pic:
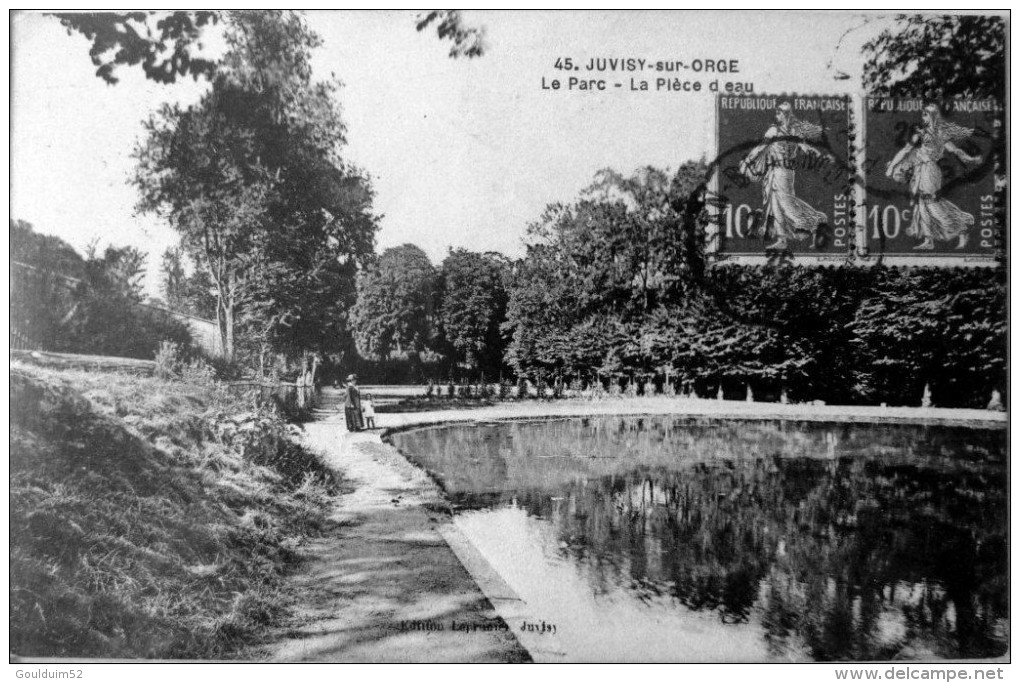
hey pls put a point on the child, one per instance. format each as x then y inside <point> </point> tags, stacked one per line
<point>368,411</point>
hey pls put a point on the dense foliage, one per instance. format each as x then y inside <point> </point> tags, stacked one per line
<point>615,289</point>
<point>272,220</point>
<point>43,251</point>
<point>938,57</point>
<point>468,41</point>
<point>110,317</point>
<point>394,310</point>
<point>126,38</point>
<point>607,293</point>
<point>473,298</point>
<point>61,301</point>
<point>169,45</point>
<point>252,180</point>
<point>190,293</point>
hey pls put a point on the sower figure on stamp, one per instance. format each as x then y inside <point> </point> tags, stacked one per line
<point>772,163</point>
<point>352,406</point>
<point>932,216</point>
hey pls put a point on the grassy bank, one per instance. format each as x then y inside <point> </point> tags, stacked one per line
<point>150,518</point>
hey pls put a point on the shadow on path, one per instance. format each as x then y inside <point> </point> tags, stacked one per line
<point>385,586</point>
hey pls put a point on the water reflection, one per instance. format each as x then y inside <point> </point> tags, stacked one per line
<point>833,541</point>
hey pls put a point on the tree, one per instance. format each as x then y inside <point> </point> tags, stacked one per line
<point>554,287</point>
<point>192,294</point>
<point>44,272</point>
<point>468,41</point>
<point>43,251</point>
<point>120,269</point>
<point>616,285</point>
<point>163,46</point>
<point>252,180</point>
<point>943,328</point>
<point>596,270</point>
<point>771,326</point>
<point>168,45</point>
<point>201,172</point>
<point>63,302</point>
<point>108,316</point>
<point>648,242</point>
<point>473,308</point>
<point>395,304</point>
<point>938,57</point>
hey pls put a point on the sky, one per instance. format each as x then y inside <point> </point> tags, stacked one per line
<point>461,152</point>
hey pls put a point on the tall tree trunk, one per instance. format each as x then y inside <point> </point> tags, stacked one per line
<point>221,322</point>
<point>225,311</point>
<point>229,347</point>
<point>225,317</point>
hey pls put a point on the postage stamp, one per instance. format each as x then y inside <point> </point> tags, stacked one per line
<point>929,176</point>
<point>784,164</point>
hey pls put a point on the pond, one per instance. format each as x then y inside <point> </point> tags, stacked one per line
<point>680,539</point>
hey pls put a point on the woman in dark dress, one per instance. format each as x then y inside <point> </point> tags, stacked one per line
<point>352,406</point>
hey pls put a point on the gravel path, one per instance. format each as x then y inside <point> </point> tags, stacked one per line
<point>385,586</point>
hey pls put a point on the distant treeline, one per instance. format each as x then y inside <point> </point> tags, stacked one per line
<point>617,289</point>
<point>61,301</point>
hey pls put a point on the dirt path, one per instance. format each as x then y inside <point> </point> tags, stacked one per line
<point>385,586</point>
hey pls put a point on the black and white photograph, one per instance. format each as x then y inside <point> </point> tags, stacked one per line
<point>557,337</point>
